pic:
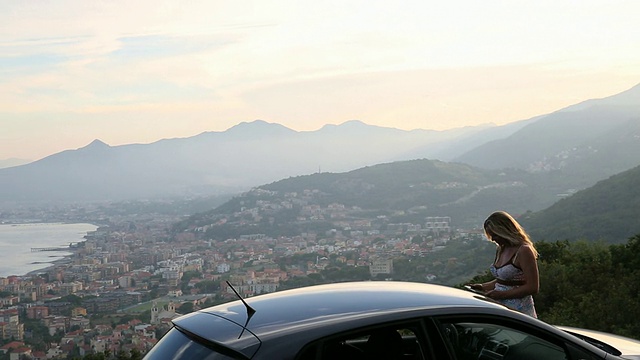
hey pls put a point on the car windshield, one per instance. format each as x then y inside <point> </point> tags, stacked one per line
<point>597,343</point>
<point>176,345</point>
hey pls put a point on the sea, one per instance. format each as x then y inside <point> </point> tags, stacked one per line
<point>16,241</point>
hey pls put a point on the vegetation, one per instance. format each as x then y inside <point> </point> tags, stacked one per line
<point>122,355</point>
<point>607,211</point>
<point>465,193</point>
<point>584,284</point>
<point>589,285</point>
<point>447,266</point>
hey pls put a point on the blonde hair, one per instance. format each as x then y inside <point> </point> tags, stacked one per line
<point>502,226</point>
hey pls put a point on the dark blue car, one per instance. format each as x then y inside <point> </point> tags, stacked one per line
<point>375,320</point>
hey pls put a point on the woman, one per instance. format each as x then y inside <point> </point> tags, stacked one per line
<point>515,268</point>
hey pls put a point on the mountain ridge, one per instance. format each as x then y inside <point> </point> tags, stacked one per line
<point>551,141</point>
<point>11,162</point>
<point>246,155</point>
<point>573,149</point>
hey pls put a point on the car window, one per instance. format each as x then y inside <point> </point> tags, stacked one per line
<point>486,341</point>
<point>177,346</point>
<point>388,343</point>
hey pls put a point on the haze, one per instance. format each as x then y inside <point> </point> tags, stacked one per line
<point>137,72</point>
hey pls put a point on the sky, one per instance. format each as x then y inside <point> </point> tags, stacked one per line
<point>139,71</point>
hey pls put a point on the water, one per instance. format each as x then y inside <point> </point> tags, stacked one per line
<point>16,242</point>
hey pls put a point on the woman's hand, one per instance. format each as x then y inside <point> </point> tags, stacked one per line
<point>484,287</point>
<point>478,287</point>
<point>496,295</point>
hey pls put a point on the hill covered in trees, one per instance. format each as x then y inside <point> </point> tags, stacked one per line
<point>608,211</point>
<point>407,190</point>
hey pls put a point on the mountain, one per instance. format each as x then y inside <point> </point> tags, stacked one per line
<point>608,211</point>
<point>95,172</point>
<point>588,141</point>
<point>452,150</point>
<point>13,162</point>
<point>570,149</point>
<point>246,155</point>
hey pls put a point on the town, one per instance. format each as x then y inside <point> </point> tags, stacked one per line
<point>119,291</point>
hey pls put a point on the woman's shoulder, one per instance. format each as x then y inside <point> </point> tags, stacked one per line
<point>526,250</point>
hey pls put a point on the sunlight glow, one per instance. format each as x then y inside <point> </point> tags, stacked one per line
<point>208,65</point>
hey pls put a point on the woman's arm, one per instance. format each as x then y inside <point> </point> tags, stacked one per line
<point>488,286</point>
<point>526,261</point>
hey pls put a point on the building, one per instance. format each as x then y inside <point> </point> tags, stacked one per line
<point>381,267</point>
<point>161,315</point>
<point>9,315</point>
<point>125,281</point>
<point>9,301</point>
<point>56,324</point>
<point>58,307</point>
<point>101,305</point>
<point>438,224</point>
<point>80,321</point>
<point>37,312</point>
<point>23,352</point>
<point>10,346</point>
<point>11,330</point>
<point>78,311</point>
<point>70,288</point>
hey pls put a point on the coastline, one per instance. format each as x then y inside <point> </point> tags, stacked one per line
<point>65,260</point>
<point>17,240</point>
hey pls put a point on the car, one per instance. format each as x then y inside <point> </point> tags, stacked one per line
<point>374,320</point>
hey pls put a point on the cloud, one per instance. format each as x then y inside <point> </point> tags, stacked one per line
<point>307,63</point>
<point>153,47</point>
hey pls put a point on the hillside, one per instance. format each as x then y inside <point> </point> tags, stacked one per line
<point>405,191</point>
<point>588,142</point>
<point>13,162</point>
<point>608,211</point>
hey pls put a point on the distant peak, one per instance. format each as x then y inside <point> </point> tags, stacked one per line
<point>346,124</point>
<point>353,123</point>
<point>250,123</point>
<point>635,90</point>
<point>97,144</point>
<point>259,127</point>
<point>356,126</point>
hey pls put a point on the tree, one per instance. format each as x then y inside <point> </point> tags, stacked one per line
<point>207,286</point>
<point>589,285</point>
<point>186,308</point>
<point>135,354</point>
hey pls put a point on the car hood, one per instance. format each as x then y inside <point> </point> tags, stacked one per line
<point>630,348</point>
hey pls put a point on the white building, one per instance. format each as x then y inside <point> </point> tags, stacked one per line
<point>438,224</point>
<point>381,267</point>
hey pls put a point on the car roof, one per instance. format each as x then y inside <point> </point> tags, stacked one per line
<point>321,310</point>
<point>345,298</point>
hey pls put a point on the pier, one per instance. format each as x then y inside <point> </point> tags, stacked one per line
<point>55,248</point>
<point>38,249</point>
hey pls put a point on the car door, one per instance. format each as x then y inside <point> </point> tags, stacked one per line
<point>387,341</point>
<point>497,338</point>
